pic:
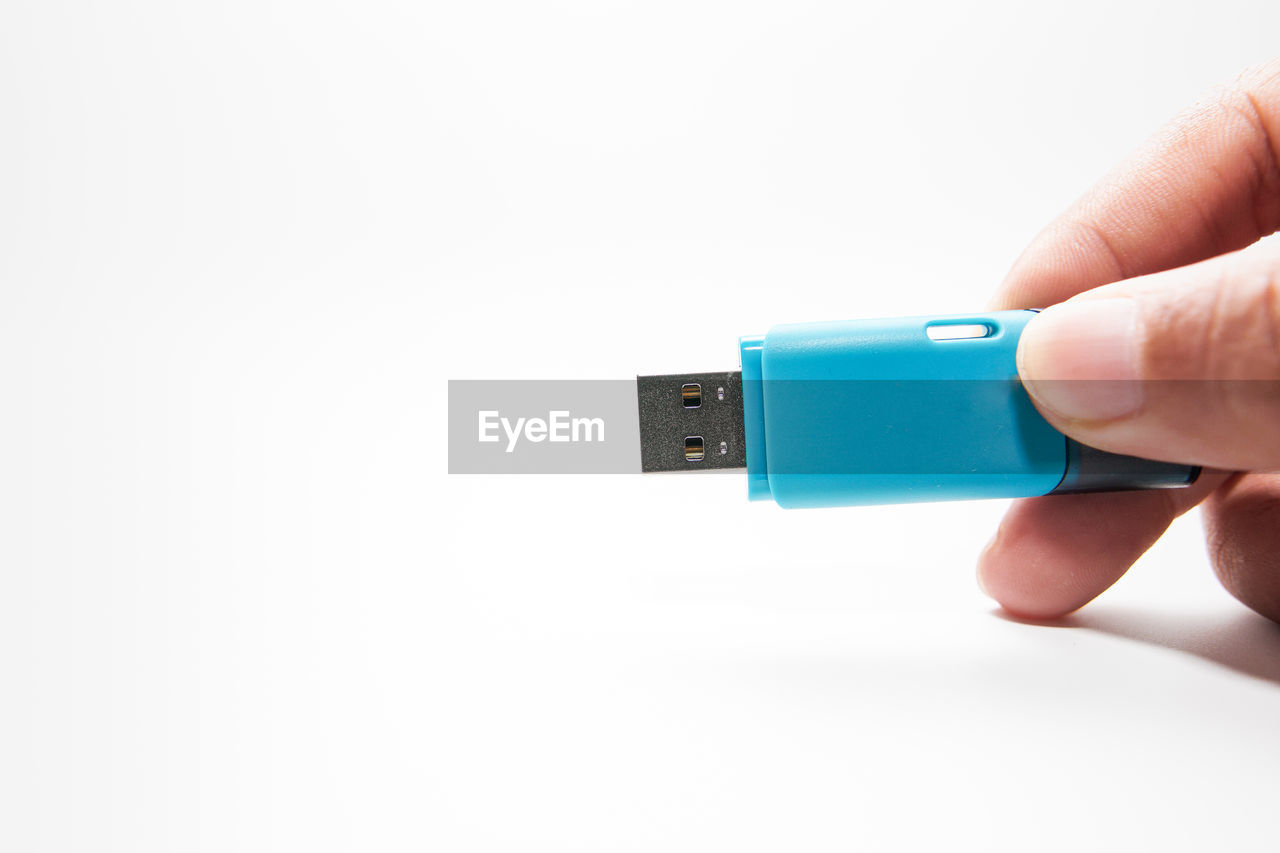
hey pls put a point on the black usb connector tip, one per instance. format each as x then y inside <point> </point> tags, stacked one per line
<point>691,421</point>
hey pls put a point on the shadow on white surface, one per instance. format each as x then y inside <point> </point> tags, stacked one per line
<point>1244,641</point>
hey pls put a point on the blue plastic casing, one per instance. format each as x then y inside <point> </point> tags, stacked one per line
<point>877,411</point>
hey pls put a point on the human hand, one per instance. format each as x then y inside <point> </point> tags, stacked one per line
<point>1158,290</point>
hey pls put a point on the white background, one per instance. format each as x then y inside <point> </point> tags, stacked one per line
<point>243,245</point>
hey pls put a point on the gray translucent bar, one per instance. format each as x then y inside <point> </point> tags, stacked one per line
<point>543,426</point>
<point>595,427</point>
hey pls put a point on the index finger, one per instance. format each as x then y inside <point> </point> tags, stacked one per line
<point>1207,184</point>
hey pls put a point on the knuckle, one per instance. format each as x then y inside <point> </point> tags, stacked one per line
<point>1254,101</point>
<point>1241,320</point>
<point>1267,310</point>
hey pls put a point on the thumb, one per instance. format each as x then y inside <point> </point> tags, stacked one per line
<point>1182,365</point>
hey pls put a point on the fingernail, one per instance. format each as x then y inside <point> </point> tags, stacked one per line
<point>982,584</point>
<point>982,560</point>
<point>1080,359</point>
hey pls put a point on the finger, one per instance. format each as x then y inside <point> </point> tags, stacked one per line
<point>1052,555</point>
<point>1181,365</point>
<point>1209,183</point>
<point>1242,526</point>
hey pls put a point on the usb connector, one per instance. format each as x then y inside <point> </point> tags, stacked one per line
<point>691,421</point>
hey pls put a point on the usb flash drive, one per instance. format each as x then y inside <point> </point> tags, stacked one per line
<point>879,411</point>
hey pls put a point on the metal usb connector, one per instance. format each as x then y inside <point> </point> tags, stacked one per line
<point>691,421</point>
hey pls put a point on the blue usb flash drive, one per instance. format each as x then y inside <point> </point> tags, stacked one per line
<point>879,411</point>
